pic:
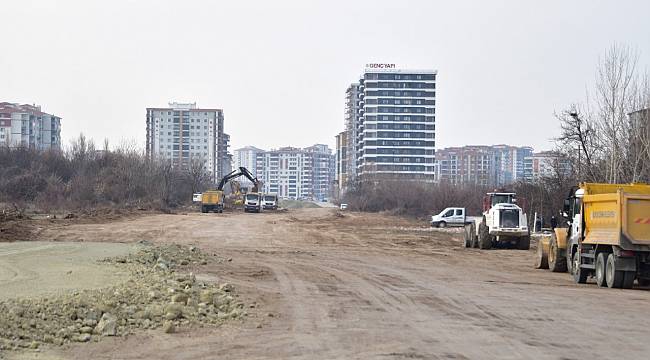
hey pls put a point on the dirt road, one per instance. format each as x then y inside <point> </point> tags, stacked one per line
<point>373,287</point>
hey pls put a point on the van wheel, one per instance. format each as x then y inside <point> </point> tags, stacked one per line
<point>442,224</point>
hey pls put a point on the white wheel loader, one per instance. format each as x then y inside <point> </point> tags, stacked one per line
<point>504,224</point>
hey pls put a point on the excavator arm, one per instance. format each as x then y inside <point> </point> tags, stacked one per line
<point>242,171</point>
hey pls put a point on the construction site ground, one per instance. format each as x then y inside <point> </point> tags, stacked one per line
<point>328,285</point>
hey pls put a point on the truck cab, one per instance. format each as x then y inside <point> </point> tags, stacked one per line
<point>253,202</point>
<point>451,216</point>
<point>270,202</point>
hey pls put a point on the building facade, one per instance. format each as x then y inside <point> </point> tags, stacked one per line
<point>296,173</point>
<point>342,161</point>
<point>546,164</point>
<point>184,133</point>
<point>465,165</point>
<point>247,157</point>
<point>495,165</point>
<point>390,124</point>
<point>28,126</point>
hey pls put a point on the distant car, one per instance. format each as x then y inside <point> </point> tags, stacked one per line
<point>343,206</point>
<point>324,200</point>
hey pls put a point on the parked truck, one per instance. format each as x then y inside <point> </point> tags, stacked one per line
<point>253,202</point>
<point>503,224</point>
<point>607,237</point>
<point>212,200</point>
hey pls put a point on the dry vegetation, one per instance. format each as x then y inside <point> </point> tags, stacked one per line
<point>83,177</point>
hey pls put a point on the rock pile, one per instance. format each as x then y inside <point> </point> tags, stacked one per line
<point>155,296</point>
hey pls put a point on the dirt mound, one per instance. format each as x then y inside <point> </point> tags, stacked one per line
<point>155,296</point>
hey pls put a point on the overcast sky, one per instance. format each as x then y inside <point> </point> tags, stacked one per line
<point>279,69</point>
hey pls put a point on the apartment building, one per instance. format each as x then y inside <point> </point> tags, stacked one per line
<point>28,126</point>
<point>494,165</point>
<point>342,160</point>
<point>465,165</point>
<point>390,124</point>
<point>297,173</point>
<point>183,133</point>
<point>509,162</point>
<point>247,157</point>
<point>546,164</point>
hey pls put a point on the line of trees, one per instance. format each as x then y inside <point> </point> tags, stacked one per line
<point>82,177</point>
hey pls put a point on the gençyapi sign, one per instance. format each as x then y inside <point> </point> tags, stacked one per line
<point>380,66</point>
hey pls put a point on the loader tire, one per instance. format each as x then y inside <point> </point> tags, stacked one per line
<point>580,275</point>
<point>524,243</point>
<point>204,209</point>
<point>468,236</point>
<point>484,238</point>
<point>556,260</point>
<point>541,258</point>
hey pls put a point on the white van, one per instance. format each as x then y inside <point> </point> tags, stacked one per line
<point>452,216</point>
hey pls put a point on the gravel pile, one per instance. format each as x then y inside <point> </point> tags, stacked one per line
<point>156,296</point>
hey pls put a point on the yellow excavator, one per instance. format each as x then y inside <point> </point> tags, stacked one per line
<point>212,200</point>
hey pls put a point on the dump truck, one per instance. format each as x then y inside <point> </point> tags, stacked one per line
<point>212,200</point>
<point>607,237</point>
<point>503,224</point>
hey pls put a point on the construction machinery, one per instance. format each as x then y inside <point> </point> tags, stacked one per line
<point>503,224</point>
<point>608,235</point>
<point>212,200</point>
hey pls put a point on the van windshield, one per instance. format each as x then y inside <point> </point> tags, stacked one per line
<point>269,198</point>
<point>251,197</point>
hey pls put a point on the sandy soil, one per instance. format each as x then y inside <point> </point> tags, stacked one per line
<point>372,287</point>
<point>40,268</point>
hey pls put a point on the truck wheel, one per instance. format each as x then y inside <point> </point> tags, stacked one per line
<point>541,257</point>
<point>579,274</point>
<point>204,209</point>
<point>484,239</point>
<point>442,224</point>
<point>601,269</point>
<point>613,277</point>
<point>524,243</point>
<point>556,261</point>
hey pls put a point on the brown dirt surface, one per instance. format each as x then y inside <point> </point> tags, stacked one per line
<point>328,285</point>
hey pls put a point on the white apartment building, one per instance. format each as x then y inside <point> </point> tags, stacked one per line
<point>297,173</point>
<point>28,126</point>
<point>247,157</point>
<point>394,124</point>
<point>183,133</point>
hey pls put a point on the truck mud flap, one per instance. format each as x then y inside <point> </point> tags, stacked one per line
<point>626,263</point>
